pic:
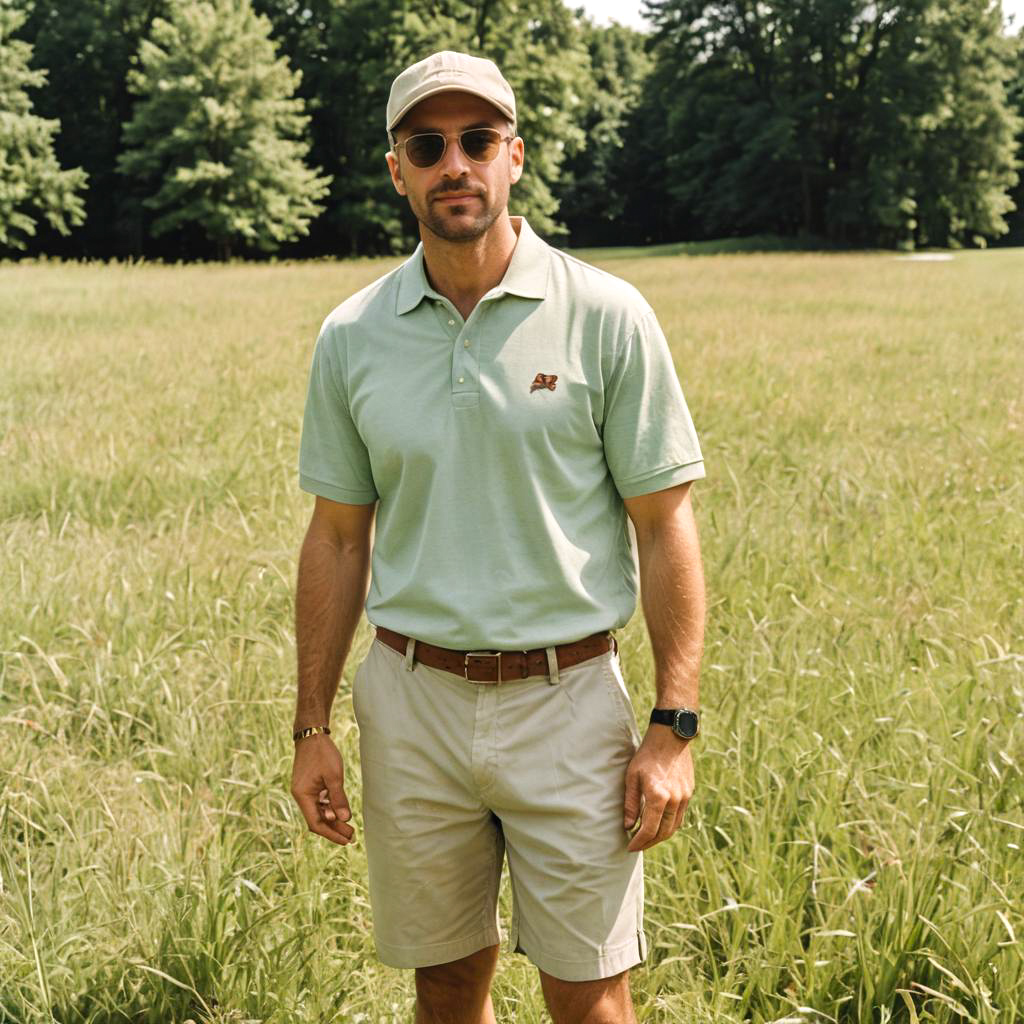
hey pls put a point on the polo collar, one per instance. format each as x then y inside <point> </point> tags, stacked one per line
<point>526,275</point>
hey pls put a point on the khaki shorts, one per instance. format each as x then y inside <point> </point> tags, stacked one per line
<point>456,775</point>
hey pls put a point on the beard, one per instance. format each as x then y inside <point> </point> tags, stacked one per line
<point>458,222</point>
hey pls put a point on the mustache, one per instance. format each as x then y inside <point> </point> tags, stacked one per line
<point>455,187</point>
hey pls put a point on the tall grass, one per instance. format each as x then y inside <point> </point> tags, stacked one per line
<point>853,850</point>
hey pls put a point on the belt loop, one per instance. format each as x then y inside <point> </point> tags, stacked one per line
<point>410,652</point>
<point>615,642</point>
<point>552,666</point>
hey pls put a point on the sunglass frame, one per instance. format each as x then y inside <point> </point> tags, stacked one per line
<point>444,147</point>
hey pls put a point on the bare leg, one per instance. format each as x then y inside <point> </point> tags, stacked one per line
<point>605,1001</point>
<point>458,992</point>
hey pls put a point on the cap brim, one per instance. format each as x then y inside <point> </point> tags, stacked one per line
<point>448,88</point>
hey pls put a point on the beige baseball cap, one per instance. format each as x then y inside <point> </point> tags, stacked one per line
<point>445,71</point>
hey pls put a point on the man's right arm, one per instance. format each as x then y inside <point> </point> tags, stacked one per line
<point>333,580</point>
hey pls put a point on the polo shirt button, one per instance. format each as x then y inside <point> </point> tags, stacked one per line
<point>451,323</point>
<point>461,379</point>
<point>466,343</point>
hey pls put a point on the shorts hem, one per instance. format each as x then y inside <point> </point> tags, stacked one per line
<point>437,952</point>
<point>613,961</point>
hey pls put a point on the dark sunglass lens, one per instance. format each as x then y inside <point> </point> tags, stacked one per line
<point>481,144</point>
<point>424,150</point>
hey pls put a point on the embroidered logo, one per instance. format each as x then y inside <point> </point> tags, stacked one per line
<point>544,380</point>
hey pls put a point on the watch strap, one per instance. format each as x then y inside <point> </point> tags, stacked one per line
<point>670,716</point>
<point>663,716</point>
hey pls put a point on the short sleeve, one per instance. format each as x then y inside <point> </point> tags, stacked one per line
<point>333,460</point>
<point>649,439</point>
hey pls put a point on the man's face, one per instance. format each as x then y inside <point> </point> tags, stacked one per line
<point>456,199</point>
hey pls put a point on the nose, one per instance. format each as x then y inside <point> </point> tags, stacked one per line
<point>454,163</point>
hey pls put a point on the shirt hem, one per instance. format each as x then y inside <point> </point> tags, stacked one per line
<point>335,493</point>
<point>662,478</point>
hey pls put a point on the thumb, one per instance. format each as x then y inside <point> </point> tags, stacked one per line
<point>338,800</point>
<point>634,795</point>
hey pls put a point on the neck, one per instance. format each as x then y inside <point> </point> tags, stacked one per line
<point>466,271</point>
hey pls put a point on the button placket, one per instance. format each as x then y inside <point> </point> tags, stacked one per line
<point>461,361</point>
<point>465,363</point>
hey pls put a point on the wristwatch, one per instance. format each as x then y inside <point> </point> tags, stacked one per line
<point>685,722</point>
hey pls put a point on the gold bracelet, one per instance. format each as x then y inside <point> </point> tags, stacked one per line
<point>311,730</point>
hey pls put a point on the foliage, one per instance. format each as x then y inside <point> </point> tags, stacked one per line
<point>91,45</point>
<point>838,122</point>
<point>32,183</point>
<point>591,195</point>
<point>869,123</point>
<point>1016,97</point>
<point>218,131</point>
<point>348,51</point>
<point>351,50</point>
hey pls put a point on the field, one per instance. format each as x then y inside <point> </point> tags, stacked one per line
<point>853,849</point>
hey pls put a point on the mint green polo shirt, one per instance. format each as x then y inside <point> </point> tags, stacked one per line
<point>499,447</point>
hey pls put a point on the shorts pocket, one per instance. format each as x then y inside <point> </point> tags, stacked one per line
<point>356,687</point>
<point>621,699</point>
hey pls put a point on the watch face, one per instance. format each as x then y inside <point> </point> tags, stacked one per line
<point>685,724</point>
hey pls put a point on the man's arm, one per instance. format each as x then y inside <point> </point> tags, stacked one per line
<point>660,776</point>
<point>671,590</point>
<point>333,579</point>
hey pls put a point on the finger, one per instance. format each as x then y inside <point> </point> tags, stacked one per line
<point>337,833</point>
<point>665,826</point>
<point>633,804</point>
<point>653,810</point>
<point>639,820</point>
<point>670,820</point>
<point>324,806</point>
<point>338,800</point>
<point>325,830</point>
<point>679,816</point>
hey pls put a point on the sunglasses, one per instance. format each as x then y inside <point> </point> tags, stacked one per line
<point>481,145</point>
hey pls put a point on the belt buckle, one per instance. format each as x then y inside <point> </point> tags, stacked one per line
<point>480,654</point>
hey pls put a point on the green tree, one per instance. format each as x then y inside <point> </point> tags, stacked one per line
<point>32,184</point>
<point>92,44</point>
<point>348,52</point>
<point>351,50</point>
<point>954,160</point>
<point>1015,220</point>
<point>590,201</point>
<point>868,122</point>
<point>218,131</point>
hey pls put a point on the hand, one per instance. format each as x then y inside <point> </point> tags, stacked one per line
<point>659,784</point>
<point>318,785</point>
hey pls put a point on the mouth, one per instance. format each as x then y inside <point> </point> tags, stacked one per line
<point>455,199</point>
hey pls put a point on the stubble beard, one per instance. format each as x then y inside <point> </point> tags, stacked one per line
<point>450,223</point>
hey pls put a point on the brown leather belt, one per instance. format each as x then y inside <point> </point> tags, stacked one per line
<point>499,666</point>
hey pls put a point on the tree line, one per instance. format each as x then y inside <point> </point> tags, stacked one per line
<point>210,128</point>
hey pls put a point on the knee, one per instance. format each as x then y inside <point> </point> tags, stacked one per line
<point>604,1001</point>
<point>458,989</point>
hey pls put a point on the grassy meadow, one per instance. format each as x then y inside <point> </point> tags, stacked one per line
<point>853,849</point>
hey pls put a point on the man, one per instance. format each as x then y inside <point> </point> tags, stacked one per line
<point>492,410</point>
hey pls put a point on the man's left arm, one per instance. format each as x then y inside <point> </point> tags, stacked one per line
<point>672,597</point>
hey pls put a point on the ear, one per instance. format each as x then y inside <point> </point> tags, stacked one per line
<point>517,155</point>
<point>396,172</point>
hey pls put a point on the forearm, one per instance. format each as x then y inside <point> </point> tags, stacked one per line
<point>332,584</point>
<point>672,597</point>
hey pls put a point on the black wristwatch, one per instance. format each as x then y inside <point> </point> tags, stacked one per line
<point>685,722</point>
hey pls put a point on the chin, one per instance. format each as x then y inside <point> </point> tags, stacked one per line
<point>458,229</point>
